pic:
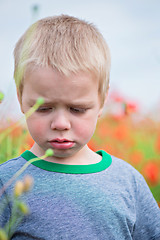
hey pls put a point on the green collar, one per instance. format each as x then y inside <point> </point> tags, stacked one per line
<point>72,169</point>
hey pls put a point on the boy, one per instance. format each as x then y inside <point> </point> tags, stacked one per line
<point>78,194</point>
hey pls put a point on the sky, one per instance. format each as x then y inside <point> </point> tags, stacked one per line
<point>130,27</point>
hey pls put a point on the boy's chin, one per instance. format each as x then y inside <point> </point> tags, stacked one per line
<point>63,153</point>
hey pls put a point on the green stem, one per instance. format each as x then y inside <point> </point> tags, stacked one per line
<point>14,220</point>
<point>19,172</point>
<point>26,116</point>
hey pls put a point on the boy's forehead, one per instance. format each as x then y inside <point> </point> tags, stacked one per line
<point>54,87</point>
<point>49,77</point>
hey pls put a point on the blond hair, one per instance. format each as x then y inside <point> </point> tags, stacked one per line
<point>66,44</point>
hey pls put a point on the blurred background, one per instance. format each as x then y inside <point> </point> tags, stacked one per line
<point>130,126</point>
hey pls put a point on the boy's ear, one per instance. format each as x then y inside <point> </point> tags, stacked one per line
<point>100,112</point>
<point>20,101</point>
<point>101,108</point>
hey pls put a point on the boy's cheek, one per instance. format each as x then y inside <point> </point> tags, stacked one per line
<point>85,130</point>
<point>36,127</point>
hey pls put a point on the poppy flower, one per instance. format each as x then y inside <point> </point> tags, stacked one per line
<point>151,172</point>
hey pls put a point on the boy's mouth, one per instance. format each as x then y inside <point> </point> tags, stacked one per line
<point>61,143</point>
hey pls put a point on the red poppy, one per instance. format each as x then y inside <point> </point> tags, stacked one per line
<point>151,172</point>
<point>130,108</point>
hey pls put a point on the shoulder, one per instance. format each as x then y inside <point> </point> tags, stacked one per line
<point>10,167</point>
<point>14,162</point>
<point>127,178</point>
<point>124,169</point>
<point>118,162</point>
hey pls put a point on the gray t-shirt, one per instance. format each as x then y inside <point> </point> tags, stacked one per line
<point>109,200</point>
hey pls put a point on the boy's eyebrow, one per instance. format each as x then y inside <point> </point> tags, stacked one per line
<point>77,104</point>
<point>82,104</point>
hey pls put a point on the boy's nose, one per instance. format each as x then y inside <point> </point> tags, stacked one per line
<point>60,121</point>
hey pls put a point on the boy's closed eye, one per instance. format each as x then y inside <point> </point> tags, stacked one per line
<point>75,110</point>
<point>44,109</point>
<point>78,110</point>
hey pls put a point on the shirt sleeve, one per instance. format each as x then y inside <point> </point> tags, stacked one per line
<point>5,208</point>
<point>147,225</point>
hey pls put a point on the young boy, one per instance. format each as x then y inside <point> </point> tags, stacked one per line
<point>78,193</point>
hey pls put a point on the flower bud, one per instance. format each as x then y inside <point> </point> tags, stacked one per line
<point>3,235</point>
<point>23,208</point>
<point>28,183</point>
<point>49,153</point>
<point>40,101</point>
<point>18,188</point>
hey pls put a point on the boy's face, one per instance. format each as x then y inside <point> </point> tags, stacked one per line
<point>67,119</point>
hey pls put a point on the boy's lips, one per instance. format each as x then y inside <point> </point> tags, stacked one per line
<point>61,143</point>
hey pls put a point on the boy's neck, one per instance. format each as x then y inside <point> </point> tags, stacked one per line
<point>84,157</point>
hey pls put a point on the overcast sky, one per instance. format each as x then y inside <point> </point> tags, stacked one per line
<point>131,29</point>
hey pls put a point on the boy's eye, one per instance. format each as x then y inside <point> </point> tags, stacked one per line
<point>44,109</point>
<point>78,110</point>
